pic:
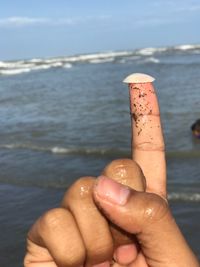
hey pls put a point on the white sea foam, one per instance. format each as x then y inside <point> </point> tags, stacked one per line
<point>79,151</point>
<point>41,67</point>
<point>56,64</point>
<point>17,67</point>
<point>14,71</point>
<point>144,54</point>
<point>67,66</point>
<point>146,51</point>
<point>97,61</point>
<point>149,51</point>
<point>187,47</point>
<point>193,197</point>
<point>98,56</point>
<point>11,65</point>
<point>36,60</point>
<point>9,146</point>
<point>60,150</point>
<point>63,150</point>
<point>152,60</point>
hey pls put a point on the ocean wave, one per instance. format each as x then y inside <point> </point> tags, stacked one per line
<point>188,197</point>
<point>14,71</point>
<point>93,151</point>
<point>100,56</point>
<point>147,54</point>
<point>150,60</point>
<point>105,60</point>
<point>64,182</point>
<point>67,66</point>
<point>68,151</point>
<point>125,60</point>
<point>18,68</point>
<point>149,51</point>
<point>187,47</point>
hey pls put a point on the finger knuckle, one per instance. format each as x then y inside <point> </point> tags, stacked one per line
<point>70,254</point>
<point>52,219</point>
<point>125,162</point>
<point>156,208</point>
<point>73,258</point>
<point>150,146</point>
<point>85,180</point>
<point>126,171</point>
<point>80,188</point>
<point>100,252</point>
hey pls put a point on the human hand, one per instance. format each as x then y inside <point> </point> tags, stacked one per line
<point>79,224</point>
<point>77,234</point>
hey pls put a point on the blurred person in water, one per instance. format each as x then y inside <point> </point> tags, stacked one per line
<point>196,129</point>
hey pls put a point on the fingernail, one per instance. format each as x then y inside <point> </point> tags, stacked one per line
<point>112,191</point>
<point>126,254</point>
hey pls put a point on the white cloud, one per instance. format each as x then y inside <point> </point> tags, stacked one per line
<point>176,6</point>
<point>28,21</point>
<point>189,8</point>
<point>154,21</point>
<point>167,13</point>
<point>21,21</point>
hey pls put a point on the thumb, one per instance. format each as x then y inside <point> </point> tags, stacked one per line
<point>147,216</point>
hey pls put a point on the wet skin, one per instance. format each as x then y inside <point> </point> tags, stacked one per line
<point>122,218</point>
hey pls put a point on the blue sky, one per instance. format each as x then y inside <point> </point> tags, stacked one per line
<point>42,28</point>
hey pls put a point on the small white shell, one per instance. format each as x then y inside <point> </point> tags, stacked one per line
<point>139,78</point>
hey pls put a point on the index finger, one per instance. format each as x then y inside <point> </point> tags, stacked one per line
<point>148,148</point>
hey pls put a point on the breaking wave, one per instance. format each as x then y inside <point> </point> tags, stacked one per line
<point>189,197</point>
<point>144,55</point>
<point>151,60</point>
<point>18,67</point>
<point>68,151</point>
<point>93,151</point>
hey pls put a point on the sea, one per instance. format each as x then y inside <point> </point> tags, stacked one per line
<point>66,117</point>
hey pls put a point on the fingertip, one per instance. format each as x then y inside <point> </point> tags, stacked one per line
<point>127,172</point>
<point>126,254</point>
